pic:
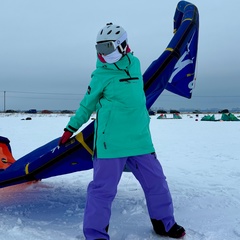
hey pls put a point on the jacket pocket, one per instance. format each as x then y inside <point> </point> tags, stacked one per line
<point>128,79</point>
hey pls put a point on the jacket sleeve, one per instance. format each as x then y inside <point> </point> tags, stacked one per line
<point>87,105</point>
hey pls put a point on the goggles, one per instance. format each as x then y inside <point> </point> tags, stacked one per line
<point>107,47</point>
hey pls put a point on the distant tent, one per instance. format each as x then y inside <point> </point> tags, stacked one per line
<point>162,116</point>
<point>229,117</point>
<point>208,118</point>
<point>176,116</point>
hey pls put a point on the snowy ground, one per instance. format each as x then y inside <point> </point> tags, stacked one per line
<point>200,159</point>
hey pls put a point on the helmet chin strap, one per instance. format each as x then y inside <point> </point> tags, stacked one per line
<point>122,48</point>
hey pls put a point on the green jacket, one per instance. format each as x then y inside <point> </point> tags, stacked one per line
<point>122,123</point>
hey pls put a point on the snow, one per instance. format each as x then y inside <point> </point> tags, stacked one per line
<point>200,160</point>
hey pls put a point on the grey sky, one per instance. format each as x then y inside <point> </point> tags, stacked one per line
<point>47,50</point>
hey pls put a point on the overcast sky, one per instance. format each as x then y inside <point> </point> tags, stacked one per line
<point>47,49</point>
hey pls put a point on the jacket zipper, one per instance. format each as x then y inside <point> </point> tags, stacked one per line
<point>127,72</point>
<point>95,148</point>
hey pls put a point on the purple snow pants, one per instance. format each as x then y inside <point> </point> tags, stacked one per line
<point>102,191</point>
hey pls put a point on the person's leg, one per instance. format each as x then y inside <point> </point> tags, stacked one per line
<point>100,194</point>
<point>149,172</point>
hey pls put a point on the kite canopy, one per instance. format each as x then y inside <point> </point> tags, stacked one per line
<point>229,117</point>
<point>208,118</point>
<point>174,70</point>
<point>6,158</point>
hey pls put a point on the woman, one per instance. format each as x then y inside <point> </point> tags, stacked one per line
<point>122,137</point>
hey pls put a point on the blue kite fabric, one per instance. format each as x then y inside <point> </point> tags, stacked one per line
<point>174,71</point>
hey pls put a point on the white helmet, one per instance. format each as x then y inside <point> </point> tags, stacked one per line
<point>110,37</point>
<point>110,32</point>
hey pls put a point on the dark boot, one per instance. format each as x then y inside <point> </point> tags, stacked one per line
<point>176,231</point>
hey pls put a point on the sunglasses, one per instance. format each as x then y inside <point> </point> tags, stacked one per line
<point>107,47</point>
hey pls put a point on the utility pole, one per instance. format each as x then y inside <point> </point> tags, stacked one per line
<point>4,101</point>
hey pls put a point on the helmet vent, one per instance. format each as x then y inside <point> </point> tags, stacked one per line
<point>117,32</point>
<point>109,32</point>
